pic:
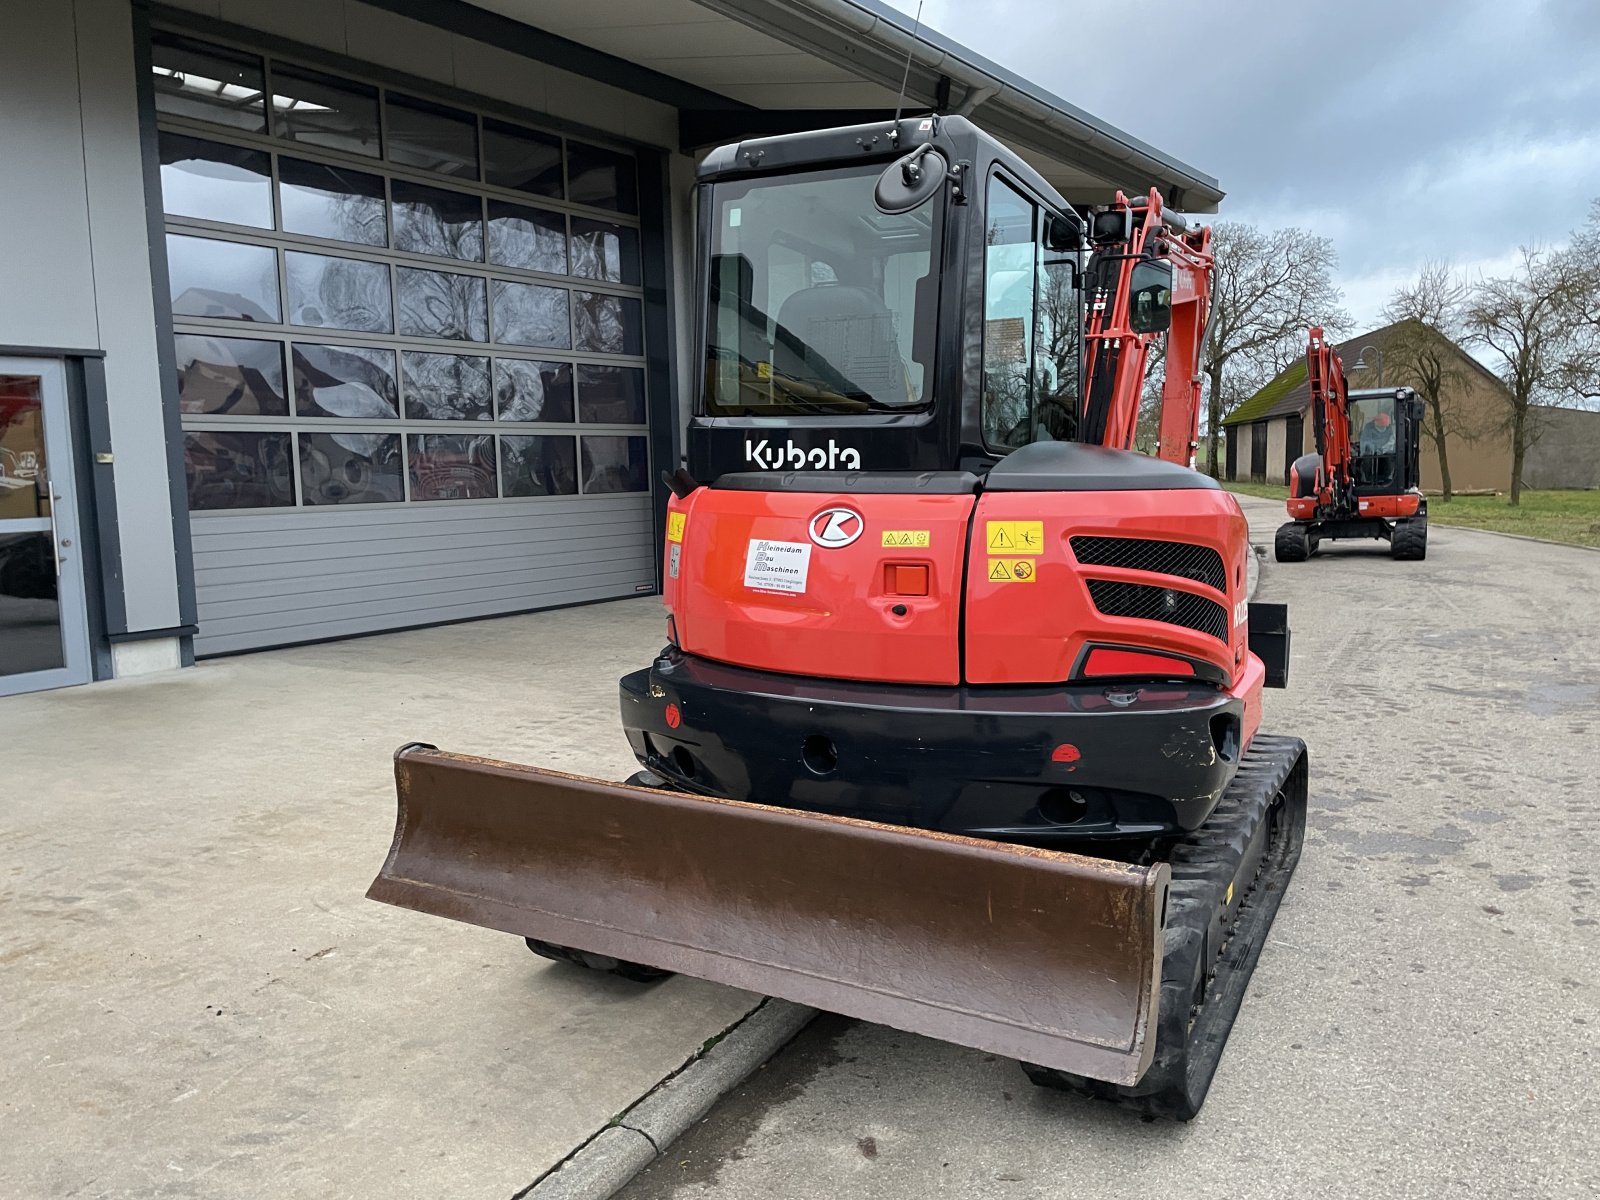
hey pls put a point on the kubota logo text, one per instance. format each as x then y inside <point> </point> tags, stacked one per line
<point>787,456</point>
<point>835,527</point>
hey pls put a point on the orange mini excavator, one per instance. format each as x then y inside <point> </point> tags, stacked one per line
<point>957,724</point>
<point>1362,481</point>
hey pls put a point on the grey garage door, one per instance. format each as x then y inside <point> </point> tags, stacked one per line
<point>409,345</point>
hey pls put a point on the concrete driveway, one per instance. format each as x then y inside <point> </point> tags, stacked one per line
<point>1426,1018</point>
<point>195,997</point>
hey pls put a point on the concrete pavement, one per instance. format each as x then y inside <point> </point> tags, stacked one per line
<point>195,997</point>
<point>1425,1021</point>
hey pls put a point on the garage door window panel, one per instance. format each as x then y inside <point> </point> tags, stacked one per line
<point>325,201</point>
<point>442,304</point>
<point>429,220</point>
<point>208,83</point>
<point>446,387</point>
<point>237,377</point>
<point>229,280</point>
<point>211,181</point>
<point>431,136</point>
<point>315,109</point>
<point>605,250</point>
<point>538,465</point>
<point>452,466</point>
<point>237,469</point>
<point>526,390</point>
<point>526,314</point>
<point>350,467</point>
<point>522,159</point>
<point>611,395</point>
<point>329,292</point>
<point>530,238</point>
<point>615,464</point>
<point>355,383</point>
<point>602,178</point>
<point>609,324</point>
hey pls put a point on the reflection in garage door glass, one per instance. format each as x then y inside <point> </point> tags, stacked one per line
<point>429,220</point>
<point>525,237</point>
<point>611,395</point>
<point>237,376</point>
<point>222,279</point>
<point>446,387</point>
<point>215,182</point>
<point>609,324</point>
<point>529,315</point>
<point>442,305</point>
<point>604,250</point>
<point>615,464</point>
<point>332,202</point>
<point>350,468</point>
<point>538,466</point>
<point>533,391</point>
<point>338,293</point>
<point>354,382</point>
<point>323,110</point>
<point>451,466</point>
<point>235,469</point>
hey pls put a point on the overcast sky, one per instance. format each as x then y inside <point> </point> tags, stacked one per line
<point>1400,129</point>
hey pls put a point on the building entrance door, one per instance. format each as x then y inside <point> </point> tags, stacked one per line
<point>44,635</point>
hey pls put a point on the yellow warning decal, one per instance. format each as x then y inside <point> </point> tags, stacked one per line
<point>1012,570</point>
<point>1014,537</point>
<point>675,525</point>
<point>914,539</point>
<point>763,370</point>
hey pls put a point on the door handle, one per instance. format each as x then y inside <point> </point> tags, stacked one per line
<point>55,543</point>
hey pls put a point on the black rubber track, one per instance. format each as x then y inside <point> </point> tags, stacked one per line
<point>1292,544</point>
<point>1228,879</point>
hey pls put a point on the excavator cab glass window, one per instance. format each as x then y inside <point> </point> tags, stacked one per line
<point>1373,438</point>
<point>819,302</point>
<point>1032,325</point>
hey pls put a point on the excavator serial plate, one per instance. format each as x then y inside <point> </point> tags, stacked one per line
<point>1047,957</point>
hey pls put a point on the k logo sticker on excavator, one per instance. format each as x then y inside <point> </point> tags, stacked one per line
<point>833,528</point>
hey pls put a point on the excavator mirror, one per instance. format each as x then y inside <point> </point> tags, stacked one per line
<point>1061,233</point>
<point>910,181</point>
<point>1150,297</point>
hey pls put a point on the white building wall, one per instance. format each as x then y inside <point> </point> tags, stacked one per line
<point>74,248</point>
<point>1277,435</point>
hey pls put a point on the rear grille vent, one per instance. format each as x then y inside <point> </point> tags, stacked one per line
<point>1199,563</point>
<point>1160,604</point>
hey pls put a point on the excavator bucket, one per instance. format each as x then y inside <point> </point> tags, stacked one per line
<point>1051,958</point>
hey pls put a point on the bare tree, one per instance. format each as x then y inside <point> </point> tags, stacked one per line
<point>1582,260</point>
<point>1532,322</point>
<point>1268,289</point>
<point>1422,352</point>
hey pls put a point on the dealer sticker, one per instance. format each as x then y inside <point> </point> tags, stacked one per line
<point>777,566</point>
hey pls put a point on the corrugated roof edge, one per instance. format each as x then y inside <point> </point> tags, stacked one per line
<point>865,19</point>
<point>885,12</point>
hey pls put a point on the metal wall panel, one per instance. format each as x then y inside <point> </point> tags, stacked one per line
<point>267,579</point>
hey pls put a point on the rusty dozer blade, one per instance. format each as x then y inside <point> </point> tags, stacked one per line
<point>1051,958</point>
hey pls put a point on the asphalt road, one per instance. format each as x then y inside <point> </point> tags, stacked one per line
<point>1425,1020</point>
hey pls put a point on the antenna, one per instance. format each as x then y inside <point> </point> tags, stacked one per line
<point>900,101</point>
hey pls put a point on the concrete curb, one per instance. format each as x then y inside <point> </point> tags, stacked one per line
<point>1520,537</point>
<point>635,1139</point>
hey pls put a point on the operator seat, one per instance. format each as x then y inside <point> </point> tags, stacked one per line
<point>840,338</point>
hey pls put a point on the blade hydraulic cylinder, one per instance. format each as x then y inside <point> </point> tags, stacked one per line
<point>1047,957</point>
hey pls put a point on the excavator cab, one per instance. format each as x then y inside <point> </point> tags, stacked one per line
<point>882,299</point>
<point>1385,429</point>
